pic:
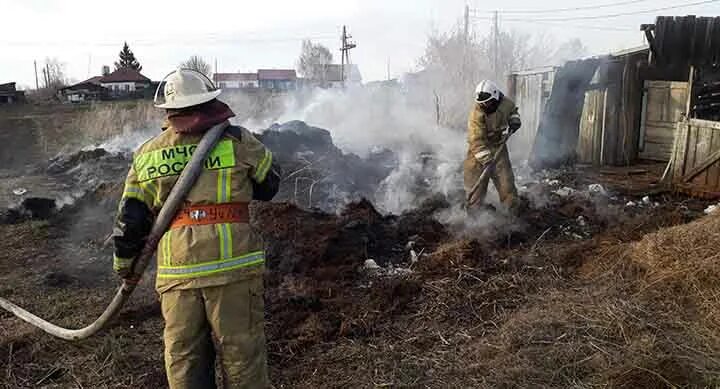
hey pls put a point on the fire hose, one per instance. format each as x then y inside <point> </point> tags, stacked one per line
<point>488,168</point>
<point>177,195</point>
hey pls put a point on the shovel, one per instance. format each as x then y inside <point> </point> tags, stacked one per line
<point>488,168</point>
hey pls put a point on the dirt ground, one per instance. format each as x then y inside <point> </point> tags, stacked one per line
<point>589,287</point>
<point>536,307</point>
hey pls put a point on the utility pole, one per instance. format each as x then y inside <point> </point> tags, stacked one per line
<point>388,69</point>
<point>37,84</point>
<point>215,65</point>
<point>496,36</point>
<point>346,45</point>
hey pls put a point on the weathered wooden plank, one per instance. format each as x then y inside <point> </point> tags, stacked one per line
<point>703,156</point>
<point>714,169</point>
<point>702,168</point>
<point>601,107</point>
<point>587,128</point>
<point>655,152</point>
<point>659,133</point>
<point>680,159</point>
<point>691,156</point>
<point>612,140</point>
<point>663,124</point>
<point>704,123</point>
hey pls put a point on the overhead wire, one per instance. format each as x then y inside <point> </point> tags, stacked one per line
<point>208,40</point>
<point>571,9</point>
<point>578,26</point>
<point>594,17</point>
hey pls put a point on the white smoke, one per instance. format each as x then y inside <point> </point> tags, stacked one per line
<point>127,142</point>
<point>363,119</point>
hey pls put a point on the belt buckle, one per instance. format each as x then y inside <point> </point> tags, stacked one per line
<point>198,214</point>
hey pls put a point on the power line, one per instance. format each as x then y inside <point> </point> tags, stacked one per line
<point>170,41</point>
<point>589,7</point>
<point>614,15</point>
<point>580,26</point>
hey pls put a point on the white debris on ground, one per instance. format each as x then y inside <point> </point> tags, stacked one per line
<point>597,189</point>
<point>712,209</point>
<point>414,255</point>
<point>373,269</point>
<point>370,264</point>
<point>645,202</point>
<point>20,191</point>
<point>581,221</point>
<point>550,182</point>
<point>564,191</point>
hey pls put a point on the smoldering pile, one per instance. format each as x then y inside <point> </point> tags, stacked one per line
<point>317,174</point>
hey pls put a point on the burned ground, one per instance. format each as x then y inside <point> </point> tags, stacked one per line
<point>592,287</point>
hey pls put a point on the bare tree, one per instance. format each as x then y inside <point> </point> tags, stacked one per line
<point>314,60</point>
<point>54,74</point>
<point>197,63</point>
<point>454,63</point>
<point>572,49</point>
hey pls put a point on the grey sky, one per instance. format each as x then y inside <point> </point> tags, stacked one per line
<point>246,35</point>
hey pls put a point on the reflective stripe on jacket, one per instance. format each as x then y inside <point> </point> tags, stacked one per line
<point>195,256</point>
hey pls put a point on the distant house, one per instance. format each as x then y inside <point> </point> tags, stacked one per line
<point>236,80</point>
<point>126,82</point>
<point>10,95</point>
<point>87,90</point>
<point>277,79</point>
<point>331,76</point>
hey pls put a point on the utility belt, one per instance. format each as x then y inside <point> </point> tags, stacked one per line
<point>199,215</point>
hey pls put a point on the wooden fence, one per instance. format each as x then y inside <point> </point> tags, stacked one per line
<point>696,158</point>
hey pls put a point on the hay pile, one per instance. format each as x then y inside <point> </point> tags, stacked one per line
<point>637,315</point>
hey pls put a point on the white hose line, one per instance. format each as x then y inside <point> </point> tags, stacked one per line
<point>177,195</point>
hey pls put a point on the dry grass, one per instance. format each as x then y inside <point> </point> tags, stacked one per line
<point>104,121</point>
<point>47,130</point>
<point>598,314</point>
<point>601,313</point>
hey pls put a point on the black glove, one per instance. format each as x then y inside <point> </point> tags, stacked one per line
<point>514,123</point>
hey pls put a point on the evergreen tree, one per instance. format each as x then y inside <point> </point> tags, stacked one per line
<point>127,59</point>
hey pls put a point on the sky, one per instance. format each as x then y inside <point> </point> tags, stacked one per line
<point>247,35</point>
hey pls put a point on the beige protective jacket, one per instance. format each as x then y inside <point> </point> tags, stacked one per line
<point>485,131</point>
<point>198,256</point>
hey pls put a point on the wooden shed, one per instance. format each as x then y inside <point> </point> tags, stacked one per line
<point>611,113</point>
<point>530,89</point>
<point>690,43</point>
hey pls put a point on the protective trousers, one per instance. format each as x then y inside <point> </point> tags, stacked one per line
<point>232,315</point>
<point>502,176</point>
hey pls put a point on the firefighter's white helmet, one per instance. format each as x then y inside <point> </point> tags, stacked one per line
<point>184,88</point>
<point>486,90</point>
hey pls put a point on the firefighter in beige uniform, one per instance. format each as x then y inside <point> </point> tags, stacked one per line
<point>490,116</point>
<point>210,261</point>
